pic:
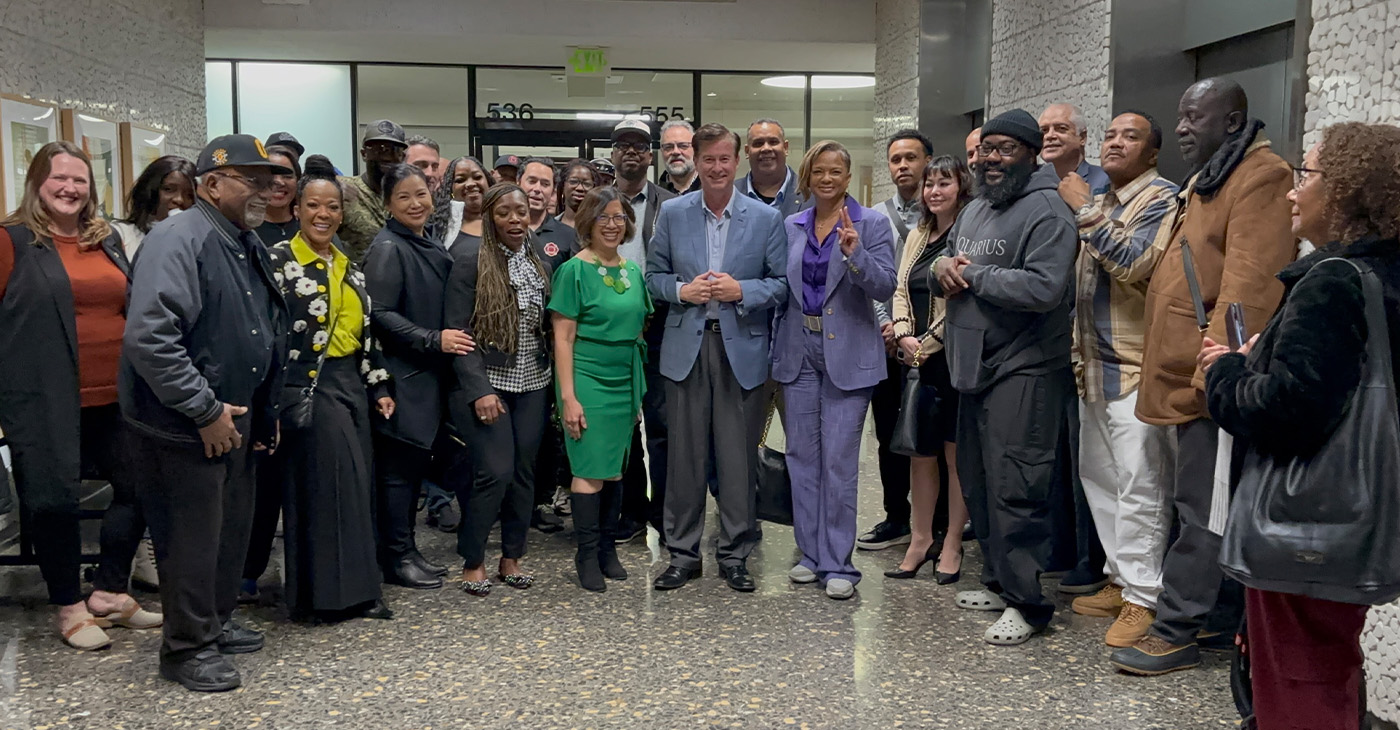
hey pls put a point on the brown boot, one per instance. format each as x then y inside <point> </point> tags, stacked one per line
<point>1132,624</point>
<point>1106,603</point>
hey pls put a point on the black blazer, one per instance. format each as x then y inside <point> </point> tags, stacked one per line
<point>40,406</point>
<point>470,382</point>
<point>656,195</point>
<point>406,276</point>
<point>303,352</point>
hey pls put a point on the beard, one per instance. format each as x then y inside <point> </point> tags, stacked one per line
<point>254,215</point>
<point>680,169</point>
<point>1013,181</point>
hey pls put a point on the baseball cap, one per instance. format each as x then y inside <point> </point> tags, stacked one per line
<point>236,150</point>
<point>604,166</point>
<point>285,139</point>
<point>632,125</point>
<point>385,130</point>
<point>507,161</point>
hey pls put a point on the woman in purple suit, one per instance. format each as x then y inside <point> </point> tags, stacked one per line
<point>828,354</point>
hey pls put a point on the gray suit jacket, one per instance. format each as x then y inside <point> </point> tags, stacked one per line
<point>755,254</point>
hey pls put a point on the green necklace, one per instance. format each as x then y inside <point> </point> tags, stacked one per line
<point>619,283</point>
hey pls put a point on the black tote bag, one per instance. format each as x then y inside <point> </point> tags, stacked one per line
<point>916,431</point>
<point>774,498</point>
<point>1327,525</point>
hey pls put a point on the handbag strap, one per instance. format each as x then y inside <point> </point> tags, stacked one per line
<point>1379,372</point>
<point>330,332</point>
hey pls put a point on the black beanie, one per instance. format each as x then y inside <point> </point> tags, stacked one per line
<point>1017,124</point>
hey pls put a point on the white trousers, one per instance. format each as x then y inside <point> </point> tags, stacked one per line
<point>1127,467</point>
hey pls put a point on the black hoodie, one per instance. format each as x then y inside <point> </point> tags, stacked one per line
<point>1015,315</point>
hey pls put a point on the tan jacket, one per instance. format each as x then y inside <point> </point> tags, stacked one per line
<point>1240,239</point>
<point>930,340</point>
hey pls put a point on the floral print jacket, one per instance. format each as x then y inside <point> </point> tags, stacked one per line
<point>303,284</point>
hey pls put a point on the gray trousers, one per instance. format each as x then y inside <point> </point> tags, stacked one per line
<point>711,420</point>
<point>1008,438</point>
<point>1191,572</point>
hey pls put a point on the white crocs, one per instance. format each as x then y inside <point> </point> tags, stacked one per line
<point>1010,630</point>
<point>979,600</point>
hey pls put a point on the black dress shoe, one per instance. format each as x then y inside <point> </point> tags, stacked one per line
<point>237,639</point>
<point>409,574</point>
<point>426,566</point>
<point>542,518</point>
<point>446,517</point>
<point>207,671</point>
<point>377,610</point>
<point>738,578</point>
<point>674,577</point>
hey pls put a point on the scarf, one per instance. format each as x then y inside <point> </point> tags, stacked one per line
<point>1217,169</point>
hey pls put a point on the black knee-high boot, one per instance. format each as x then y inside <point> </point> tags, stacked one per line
<point>609,518</point>
<point>586,508</point>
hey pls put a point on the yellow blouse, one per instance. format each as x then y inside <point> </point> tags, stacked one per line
<point>346,315</point>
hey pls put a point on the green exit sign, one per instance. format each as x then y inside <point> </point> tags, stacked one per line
<point>583,60</point>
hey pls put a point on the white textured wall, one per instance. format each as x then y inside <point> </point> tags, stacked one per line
<point>896,81</point>
<point>138,61</point>
<point>1354,75</point>
<point>1051,51</point>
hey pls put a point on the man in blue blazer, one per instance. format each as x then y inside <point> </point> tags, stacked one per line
<point>719,259</point>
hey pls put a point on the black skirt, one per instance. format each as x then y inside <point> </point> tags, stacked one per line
<point>328,522</point>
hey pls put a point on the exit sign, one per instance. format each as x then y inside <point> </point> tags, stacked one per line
<point>585,60</point>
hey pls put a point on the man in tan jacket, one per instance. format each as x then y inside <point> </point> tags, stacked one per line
<point>1234,230</point>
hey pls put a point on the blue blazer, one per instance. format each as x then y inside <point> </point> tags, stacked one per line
<point>851,341</point>
<point>755,254</point>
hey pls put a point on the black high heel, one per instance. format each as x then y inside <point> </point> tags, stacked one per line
<point>902,574</point>
<point>949,578</point>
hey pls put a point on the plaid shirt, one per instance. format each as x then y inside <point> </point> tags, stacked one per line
<point>1124,236</point>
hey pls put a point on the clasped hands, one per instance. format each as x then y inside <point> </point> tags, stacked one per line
<point>718,286</point>
<point>949,271</point>
<point>1212,350</point>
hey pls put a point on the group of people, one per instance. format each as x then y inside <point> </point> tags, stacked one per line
<point>1043,337</point>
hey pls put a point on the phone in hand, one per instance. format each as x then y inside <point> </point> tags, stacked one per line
<point>1234,325</point>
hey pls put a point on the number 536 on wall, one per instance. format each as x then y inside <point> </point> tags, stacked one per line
<point>496,110</point>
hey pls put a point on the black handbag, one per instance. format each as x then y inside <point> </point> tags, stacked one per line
<point>7,495</point>
<point>916,430</point>
<point>1327,525</point>
<point>774,498</point>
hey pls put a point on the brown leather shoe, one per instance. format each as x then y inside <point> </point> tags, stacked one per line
<point>1132,624</point>
<point>1106,603</point>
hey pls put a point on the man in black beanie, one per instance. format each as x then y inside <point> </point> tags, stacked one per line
<point>1006,276</point>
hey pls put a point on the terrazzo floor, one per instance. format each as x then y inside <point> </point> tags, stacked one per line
<point>899,655</point>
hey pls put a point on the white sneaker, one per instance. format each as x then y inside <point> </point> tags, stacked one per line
<point>143,567</point>
<point>561,503</point>
<point>840,589</point>
<point>1010,630</point>
<point>979,600</point>
<point>802,574</point>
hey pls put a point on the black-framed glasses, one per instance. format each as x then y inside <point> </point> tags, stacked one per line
<point>257,184</point>
<point>638,147</point>
<point>619,220</point>
<point>1005,149</point>
<point>1302,175</point>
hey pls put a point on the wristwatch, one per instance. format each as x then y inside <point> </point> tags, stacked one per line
<point>1085,210</point>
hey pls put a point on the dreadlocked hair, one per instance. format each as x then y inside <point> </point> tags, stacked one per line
<point>496,320</point>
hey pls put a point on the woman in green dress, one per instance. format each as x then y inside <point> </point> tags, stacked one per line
<point>600,307</point>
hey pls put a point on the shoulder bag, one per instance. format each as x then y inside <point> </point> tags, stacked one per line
<point>774,498</point>
<point>915,430</point>
<point>1327,525</point>
<point>297,416</point>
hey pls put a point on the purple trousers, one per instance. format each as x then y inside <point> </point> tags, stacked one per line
<point>823,426</point>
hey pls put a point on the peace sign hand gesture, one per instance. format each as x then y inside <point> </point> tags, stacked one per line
<point>849,237</point>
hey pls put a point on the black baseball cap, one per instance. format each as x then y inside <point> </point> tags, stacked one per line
<point>385,130</point>
<point>285,139</point>
<point>507,161</point>
<point>236,150</point>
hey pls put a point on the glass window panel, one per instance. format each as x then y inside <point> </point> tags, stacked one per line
<point>543,94</point>
<point>218,95</point>
<point>312,101</point>
<point>737,100</point>
<point>426,100</point>
<point>848,116</point>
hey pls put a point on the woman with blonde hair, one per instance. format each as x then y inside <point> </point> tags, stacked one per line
<point>63,281</point>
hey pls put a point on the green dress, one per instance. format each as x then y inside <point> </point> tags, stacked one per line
<point>611,310</point>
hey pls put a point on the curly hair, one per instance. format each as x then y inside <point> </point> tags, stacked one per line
<point>1361,190</point>
<point>496,320</point>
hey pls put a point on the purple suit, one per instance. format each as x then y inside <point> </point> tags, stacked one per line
<point>828,370</point>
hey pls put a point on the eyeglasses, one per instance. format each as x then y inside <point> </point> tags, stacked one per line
<point>618,220</point>
<point>1302,174</point>
<point>673,146</point>
<point>579,182</point>
<point>257,184</point>
<point>634,146</point>
<point>1005,149</point>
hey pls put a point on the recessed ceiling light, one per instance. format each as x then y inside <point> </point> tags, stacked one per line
<point>712,94</point>
<point>820,82</point>
<point>600,116</point>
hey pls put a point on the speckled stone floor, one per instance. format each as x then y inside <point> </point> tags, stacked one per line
<point>898,655</point>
